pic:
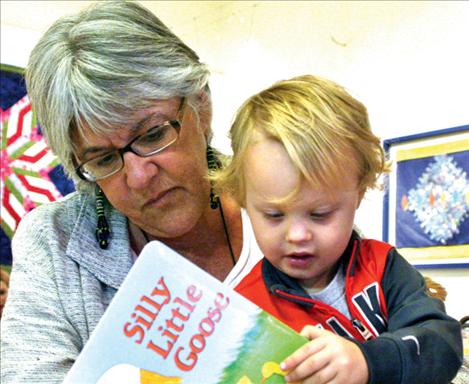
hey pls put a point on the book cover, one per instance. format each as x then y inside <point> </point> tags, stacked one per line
<point>171,322</point>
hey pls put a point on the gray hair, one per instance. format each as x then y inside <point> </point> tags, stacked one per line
<point>99,66</point>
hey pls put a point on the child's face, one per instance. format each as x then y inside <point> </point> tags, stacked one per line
<point>303,237</point>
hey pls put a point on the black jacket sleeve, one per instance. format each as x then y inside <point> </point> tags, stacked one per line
<point>423,345</point>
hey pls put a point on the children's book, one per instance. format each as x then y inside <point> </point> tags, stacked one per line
<point>171,322</point>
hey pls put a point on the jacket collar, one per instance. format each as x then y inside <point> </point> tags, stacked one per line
<point>110,265</point>
<point>280,284</point>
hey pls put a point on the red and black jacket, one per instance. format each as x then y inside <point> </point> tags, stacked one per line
<point>386,297</point>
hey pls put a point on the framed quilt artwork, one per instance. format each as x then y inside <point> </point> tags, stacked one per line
<point>30,174</point>
<point>426,204</point>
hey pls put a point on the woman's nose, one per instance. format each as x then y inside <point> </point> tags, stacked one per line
<point>299,232</point>
<point>139,171</point>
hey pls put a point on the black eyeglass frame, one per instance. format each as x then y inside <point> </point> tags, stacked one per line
<point>176,124</point>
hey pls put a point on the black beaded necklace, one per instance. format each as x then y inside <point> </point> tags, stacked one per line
<point>225,229</point>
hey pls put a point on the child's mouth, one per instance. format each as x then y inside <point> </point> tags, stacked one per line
<point>299,260</point>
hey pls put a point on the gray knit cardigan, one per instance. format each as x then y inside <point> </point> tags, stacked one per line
<point>61,283</point>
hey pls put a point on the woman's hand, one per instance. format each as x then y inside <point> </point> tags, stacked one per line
<point>327,358</point>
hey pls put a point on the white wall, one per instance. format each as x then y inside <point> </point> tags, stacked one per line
<point>407,61</point>
<point>16,44</point>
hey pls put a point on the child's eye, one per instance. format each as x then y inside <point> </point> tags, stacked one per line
<point>273,214</point>
<point>319,215</point>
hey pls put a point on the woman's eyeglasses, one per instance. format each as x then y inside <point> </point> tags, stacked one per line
<point>150,143</point>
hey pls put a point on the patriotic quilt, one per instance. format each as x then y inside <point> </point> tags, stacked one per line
<point>30,173</point>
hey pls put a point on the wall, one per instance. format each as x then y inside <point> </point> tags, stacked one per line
<point>407,61</point>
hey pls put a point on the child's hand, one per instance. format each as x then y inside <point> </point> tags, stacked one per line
<point>327,358</point>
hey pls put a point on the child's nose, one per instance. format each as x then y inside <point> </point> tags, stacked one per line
<point>299,232</point>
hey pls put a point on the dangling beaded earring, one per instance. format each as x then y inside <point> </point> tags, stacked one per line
<point>213,164</point>
<point>102,229</point>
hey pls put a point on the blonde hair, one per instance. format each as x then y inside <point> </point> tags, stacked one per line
<point>324,130</point>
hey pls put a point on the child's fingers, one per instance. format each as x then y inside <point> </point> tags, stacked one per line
<point>311,332</point>
<point>301,354</point>
<point>324,376</point>
<point>314,369</point>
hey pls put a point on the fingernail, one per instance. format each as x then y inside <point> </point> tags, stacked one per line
<point>283,366</point>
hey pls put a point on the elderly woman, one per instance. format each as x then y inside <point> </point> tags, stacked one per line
<point>125,105</point>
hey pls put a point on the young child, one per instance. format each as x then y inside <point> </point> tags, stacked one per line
<point>303,157</point>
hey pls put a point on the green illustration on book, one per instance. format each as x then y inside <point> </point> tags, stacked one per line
<point>171,322</point>
<point>263,347</point>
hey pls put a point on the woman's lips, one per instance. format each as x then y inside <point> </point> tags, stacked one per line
<point>161,199</point>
